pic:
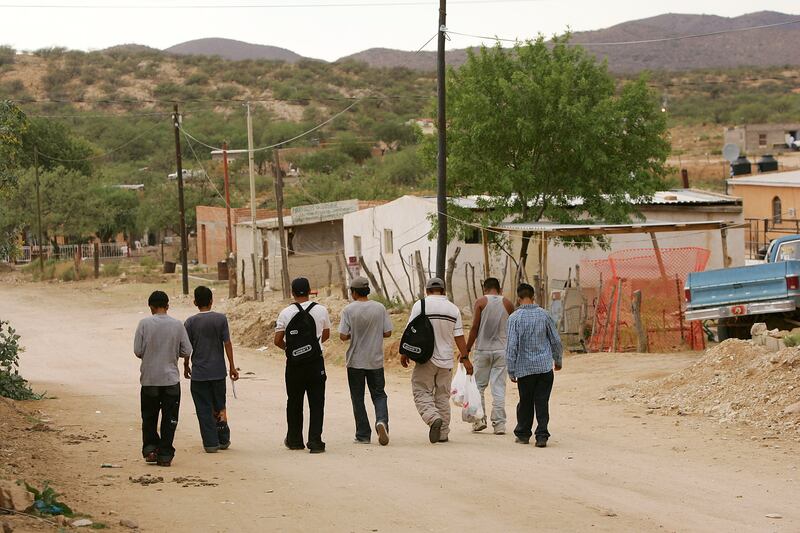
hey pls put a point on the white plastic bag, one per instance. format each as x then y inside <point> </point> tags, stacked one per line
<point>472,410</point>
<point>458,386</point>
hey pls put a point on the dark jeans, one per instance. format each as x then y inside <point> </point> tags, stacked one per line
<point>356,377</point>
<point>534,395</point>
<point>209,404</point>
<point>165,401</point>
<point>301,380</point>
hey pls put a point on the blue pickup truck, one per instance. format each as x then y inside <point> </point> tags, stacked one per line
<point>739,297</point>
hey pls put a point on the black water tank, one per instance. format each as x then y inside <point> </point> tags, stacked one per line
<point>767,163</point>
<point>741,166</point>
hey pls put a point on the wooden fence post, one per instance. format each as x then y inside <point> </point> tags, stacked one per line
<point>641,332</point>
<point>96,252</point>
<point>383,281</point>
<point>372,279</point>
<point>396,285</point>
<point>448,276</point>
<point>330,278</point>
<point>420,273</point>
<point>342,276</point>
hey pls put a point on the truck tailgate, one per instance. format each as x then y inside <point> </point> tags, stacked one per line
<point>742,284</point>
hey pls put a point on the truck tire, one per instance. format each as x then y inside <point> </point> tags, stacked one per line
<point>734,328</point>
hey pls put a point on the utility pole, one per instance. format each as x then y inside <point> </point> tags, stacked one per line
<point>441,166</point>
<point>176,124</point>
<point>254,254</point>
<point>279,207</point>
<point>38,207</point>
<point>230,259</point>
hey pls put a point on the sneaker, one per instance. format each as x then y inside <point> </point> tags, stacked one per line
<point>444,439</point>
<point>211,449</point>
<point>435,431</point>
<point>225,446</point>
<point>479,426</point>
<point>164,462</point>
<point>361,441</point>
<point>499,431</point>
<point>316,448</point>
<point>383,433</point>
<point>519,440</point>
<point>541,442</point>
<point>151,458</point>
<point>293,446</point>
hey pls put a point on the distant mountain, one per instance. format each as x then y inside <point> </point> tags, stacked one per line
<point>760,48</point>
<point>233,50</point>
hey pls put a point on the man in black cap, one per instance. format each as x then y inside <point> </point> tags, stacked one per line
<point>306,378</point>
<point>430,381</point>
<point>365,323</point>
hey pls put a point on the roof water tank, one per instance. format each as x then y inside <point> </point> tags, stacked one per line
<point>767,163</point>
<point>741,166</point>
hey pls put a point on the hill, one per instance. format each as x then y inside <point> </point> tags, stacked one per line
<point>763,48</point>
<point>233,50</point>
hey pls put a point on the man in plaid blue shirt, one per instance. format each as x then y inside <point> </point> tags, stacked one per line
<point>533,351</point>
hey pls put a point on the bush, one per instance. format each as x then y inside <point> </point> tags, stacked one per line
<point>111,270</point>
<point>148,262</point>
<point>12,385</point>
<point>7,55</point>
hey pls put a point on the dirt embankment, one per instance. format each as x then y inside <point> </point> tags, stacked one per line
<point>734,382</point>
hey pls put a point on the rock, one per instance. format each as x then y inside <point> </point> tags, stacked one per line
<point>792,409</point>
<point>130,524</point>
<point>14,497</point>
<point>758,328</point>
<point>7,528</point>
<point>81,522</point>
<point>60,519</point>
<point>774,516</point>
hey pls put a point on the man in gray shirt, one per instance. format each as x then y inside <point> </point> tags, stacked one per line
<point>158,342</point>
<point>365,323</point>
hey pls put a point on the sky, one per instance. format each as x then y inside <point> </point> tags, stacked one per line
<point>326,32</point>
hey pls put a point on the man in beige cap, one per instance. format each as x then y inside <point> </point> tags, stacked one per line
<point>430,381</point>
<point>365,323</point>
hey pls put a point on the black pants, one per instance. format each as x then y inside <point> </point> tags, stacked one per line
<point>534,395</point>
<point>165,401</point>
<point>356,377</point>
<point>209,404</point>
<point>301,380</point>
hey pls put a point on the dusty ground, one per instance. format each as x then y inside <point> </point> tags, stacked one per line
<point>610,466</point>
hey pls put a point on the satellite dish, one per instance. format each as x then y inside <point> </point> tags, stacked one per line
<point>731,152</point>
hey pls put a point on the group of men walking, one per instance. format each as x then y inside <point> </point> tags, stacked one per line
<point>521,343</point>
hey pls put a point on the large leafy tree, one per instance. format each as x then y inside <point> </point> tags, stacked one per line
<point>13,125</point>
<point>542,127</point>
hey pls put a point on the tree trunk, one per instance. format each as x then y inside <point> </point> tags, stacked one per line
<point>396,285</point>
<point>420,273</point>
<point>372,279</point>
<point>448,277</point>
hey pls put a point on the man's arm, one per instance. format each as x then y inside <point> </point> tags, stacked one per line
<point>387,324</point>
<point>138,341</point>
<point>480,303</point>
<point>555,343</point>
<point>508,305</point>
<point>462,349</point>
<point>326,334</point>
<point>511,349</point>
<point>232,371</point>
<point>280,339</point>
<point>344,327</point>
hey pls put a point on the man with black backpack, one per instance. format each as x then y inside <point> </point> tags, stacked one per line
<point>434,323</point>
<point>300,330</point>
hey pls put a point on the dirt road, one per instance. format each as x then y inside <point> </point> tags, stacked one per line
<point>610,466</point>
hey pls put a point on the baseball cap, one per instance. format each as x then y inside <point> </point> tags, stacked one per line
<point>359,283</point>
<point>301,287</point>
<point>435,283</point>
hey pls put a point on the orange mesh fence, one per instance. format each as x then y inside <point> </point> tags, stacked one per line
<point>613,281</point>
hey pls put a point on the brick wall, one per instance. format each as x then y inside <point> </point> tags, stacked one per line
<point>211,224</point>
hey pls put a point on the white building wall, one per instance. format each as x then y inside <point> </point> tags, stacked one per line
<point>244,247</point>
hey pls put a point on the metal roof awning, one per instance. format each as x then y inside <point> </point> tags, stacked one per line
<point>580,230</point>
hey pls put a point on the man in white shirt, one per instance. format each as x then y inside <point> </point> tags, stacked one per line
<point>430,381</point>
<point>306,378</point>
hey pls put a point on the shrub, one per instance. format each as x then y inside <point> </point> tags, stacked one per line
<point>12,385</point>
<point>111,270</point>
<point>148,261</point>
<point>7,55</point>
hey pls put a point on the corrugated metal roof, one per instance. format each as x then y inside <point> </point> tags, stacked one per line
<point>790,178</point>
<point>640,227</point>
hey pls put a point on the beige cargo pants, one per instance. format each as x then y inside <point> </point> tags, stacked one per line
<point>430,385</point>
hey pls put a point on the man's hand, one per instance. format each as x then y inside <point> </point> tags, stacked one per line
<point>187,371</point>
<point>468,366</point>
<point>234,373</point>
<point>513,380</point>
<point>404,361</point>
<point>557,367</point>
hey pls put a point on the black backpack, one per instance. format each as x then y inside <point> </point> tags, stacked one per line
<point>418,340</point>
<point>302,343</point>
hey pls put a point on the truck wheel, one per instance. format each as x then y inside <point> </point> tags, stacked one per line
<point>722,332</point>
<point>733,329</point>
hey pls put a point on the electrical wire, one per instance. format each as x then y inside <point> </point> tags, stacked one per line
<point>105,154</point>
<point>205,174</point>
<point>643,41</point>
<point>306,5</point>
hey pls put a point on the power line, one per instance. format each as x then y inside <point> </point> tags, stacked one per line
<point>307,5</point>
<point>642,41</point>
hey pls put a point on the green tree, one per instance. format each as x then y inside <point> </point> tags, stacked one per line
<point>539,127</point>
<point>13,125</point>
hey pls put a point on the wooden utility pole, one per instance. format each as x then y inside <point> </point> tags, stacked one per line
<point>176,124</point>
<point>282,235</point>
<point>38,207</point>
<point>230,258</point>
<point>659,258</point>
<point>485,242</point>
<point>251,166</point>
<point>441,166</point>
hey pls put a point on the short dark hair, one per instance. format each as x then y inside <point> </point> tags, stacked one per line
<point>363,293</point>
<point>203,296</point>
<point>491,284</point>
<point>525,291</point>
<point>434,290</point>
<point>158,300</point>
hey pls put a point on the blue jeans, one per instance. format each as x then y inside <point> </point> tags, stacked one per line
<point>356,377</point>
<point>209,404</point>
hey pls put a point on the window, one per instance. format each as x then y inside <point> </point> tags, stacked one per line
<point>357,245</point>
<point>388,241</point>
<point>776,210</point>
<point>472,236</point>
<point>762,140</point>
